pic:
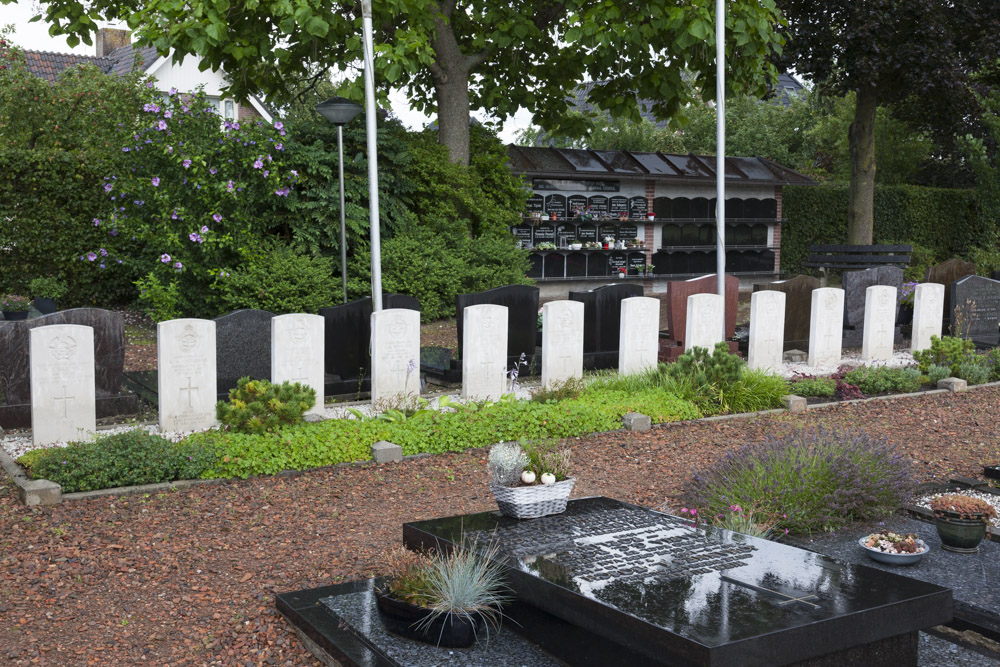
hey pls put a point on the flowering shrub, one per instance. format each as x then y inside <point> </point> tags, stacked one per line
<point>816,479</point>
<point>906,293</point>
<point>191,200</point>
<point>14,302</point>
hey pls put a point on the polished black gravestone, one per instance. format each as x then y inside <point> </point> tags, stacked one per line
<point>608,579</point>
<point>976,309</point>
<point>602,308</point>
<point>347,330</point>
<point>109,363</point>
<point>242,347</point>
<point>522,316</point>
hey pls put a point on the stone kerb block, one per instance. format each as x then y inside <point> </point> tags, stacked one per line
<point>639,336</point>
<point>297,349</point>
<point>826,318</point>
<point>767,313</point>
<point>186,377</point>
<point>384,451</point>
<point>928,314</point>
<point>484,352</point>
<point>395,355</point>
<point>704,321</point>
<point>795,404</point>
<point>954,385</point>
<point>39,492</point>
<point>880,322</point>
<point>63,396</point>
<point>636,421</point>
<point>562,342</point>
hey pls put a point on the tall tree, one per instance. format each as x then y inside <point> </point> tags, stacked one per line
<point>456,55</point>
<point>911,55</point>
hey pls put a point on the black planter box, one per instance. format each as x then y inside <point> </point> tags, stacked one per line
<point>991,472</point>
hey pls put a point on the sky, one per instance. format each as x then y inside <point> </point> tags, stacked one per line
<point>35,37</point>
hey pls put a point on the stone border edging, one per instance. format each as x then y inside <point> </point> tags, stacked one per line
<point>45,492</point>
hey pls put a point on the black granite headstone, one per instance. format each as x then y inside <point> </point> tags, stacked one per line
<point>618,206</point>
<point>976,307</point>
<point>586,233</point>
<point>576,204</point>
<point>523,234</point>
<point>637,207</point>
<point>606,231</point>
<point>855,283</point>
<point>545,234</point>
<point>242,347</point>
<point>522,313</point>
<point>347,334</point>
<point>602,313</point>
<point>627,231</point>
<point>555,204</point>
<point>598,205</point>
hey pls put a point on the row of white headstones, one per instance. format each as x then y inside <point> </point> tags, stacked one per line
<point>62,356</point>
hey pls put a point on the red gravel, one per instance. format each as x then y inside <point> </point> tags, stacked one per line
<point>189,577</point>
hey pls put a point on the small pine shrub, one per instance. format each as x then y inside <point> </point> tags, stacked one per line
<point>945,351</point>
<point>884,379</point>
<point>122,459</point>
<point>257,406</point>
<point>824,387</point>
<point>815,479</point>
<point>715,369</point>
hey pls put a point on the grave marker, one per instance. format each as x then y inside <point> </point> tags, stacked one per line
<point>976,308</point>
<point>928,314</point>
<point>798,299</point>
<point>242,347</point>
<point>297,353</point>
<point>826,319</point>
<point>562,342</point>
<point>395,356</point>
<point>767,310</point>
<point>484,352</point>
<point>945,274</point>
<point>879,323</point>
<point>704,321</point>
<point>186,377</point>
<point>639,334</point>
<point>63,396</point>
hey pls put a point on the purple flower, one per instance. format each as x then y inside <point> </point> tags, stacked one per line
<point>178,266</point>
<point>149,84</point>
<point>229,186</point>
<point>173,91</point>
<point>165,258</point>
<point>91,256</point>
<point>213,171</point>
<point>104,253</point>
<point>195,237</point>
<point>266,172</point>
<point>107,187</point>
<point>168,114</point>
<point>160,126</point>
<point>170,149</point>
<point>186,163</point>
<point>279,147</point>
<point>124,149</point>
<point>295,173</point>
<point>102,264</point>
<point>204,229</point>
<point>278,125</point>
<point>283,192</point>
<point>96,222</point>
<point>173,216</point>
<point>156,181</point>
<point>258,164</point>
<point>217,217</point>
<point>114,232</point>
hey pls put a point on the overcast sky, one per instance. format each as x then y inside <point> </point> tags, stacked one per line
<point>35,36</point>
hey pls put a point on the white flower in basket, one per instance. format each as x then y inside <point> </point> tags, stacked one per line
<point>521,500</point>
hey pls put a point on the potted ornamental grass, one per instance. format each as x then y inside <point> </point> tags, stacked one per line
<point>447,599</point>
<point>47,290</point>
<point>532,480</point>
<point>961,521</point>
<point>14,306</point>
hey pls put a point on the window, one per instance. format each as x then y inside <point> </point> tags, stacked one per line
<point>229,110</point>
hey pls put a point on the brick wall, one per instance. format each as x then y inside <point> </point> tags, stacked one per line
<point>777,231</point>
<point>248,112</point>
<point>648,236</point>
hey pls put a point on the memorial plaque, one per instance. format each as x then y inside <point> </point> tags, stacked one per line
<point>617,260</point>
<point>586,233</point>
<point>764,350</point>
<point>562,342</point>
<point>564,233</point>
<point>555,204</point>
<point>395,357</point>
<point>605,231</point>
<point>976,308</point>
<point>826,317</point>
<point>674,593</point>
<point>880,318</point>
<point>636,262</point>
<point>598,205</point>
<point>617,206</point>
<point>576,204</point>
<point>297,353</point>
<point>186,379</point>
<point>535,203</point>
<point>523,234</point>
<point>545,234</point>
<point>639,334</point>
<point>705,323</point>
<point>928,315</point>
<point>484,352</point>
<point>63,399</point>
<point>627,231</point>
<point>637,207</point>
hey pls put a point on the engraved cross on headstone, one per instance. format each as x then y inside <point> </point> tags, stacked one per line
<point>190,390</point>
<point>301,378</point>
<point>783,598</point>
<point>65,401</point>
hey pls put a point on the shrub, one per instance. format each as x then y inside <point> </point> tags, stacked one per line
<point>713,369</point>
<point>975,369</point>
<point>559,391</point>
<point>281,280</point>
<point>122,459</point>
<point>756,389</point>
<point>48,287</point>
<point>720,381</point>
<point>257,406</point>
<point>506,463</point>
<point>945,351</point>
<point>885,379</point>
<point>936,373</point>
<point>544,455</point>
<point>824,387</point>
<point>819,479</point>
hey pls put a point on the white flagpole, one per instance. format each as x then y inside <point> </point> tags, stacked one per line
<point>373,216</point>
<point>720,153</point>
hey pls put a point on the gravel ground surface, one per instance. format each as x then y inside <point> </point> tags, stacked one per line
<point>189,577</point>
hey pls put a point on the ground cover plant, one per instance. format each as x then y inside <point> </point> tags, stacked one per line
<point>815,479</point>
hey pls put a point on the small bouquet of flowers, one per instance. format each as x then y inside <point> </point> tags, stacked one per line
<point>894,543</point>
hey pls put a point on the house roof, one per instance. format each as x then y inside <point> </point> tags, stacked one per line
<point>577,163</point>
<point>48,65</point>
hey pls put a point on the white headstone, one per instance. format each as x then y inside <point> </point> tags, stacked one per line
<point>767,325</point>
<point>395,356</point>
<point>484,352</point>
<point>186,378</point>
<point>825,321</point>
<point>705,322</point>
<point>297,353</point>
<point>562,342</point>
<point>880,323</point>
<point>639,334</point>
<point>63,392</point>
<point>928,314</point>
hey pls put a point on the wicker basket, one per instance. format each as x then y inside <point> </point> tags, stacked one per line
<point>531,502</point>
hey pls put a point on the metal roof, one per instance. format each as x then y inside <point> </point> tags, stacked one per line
<point>577,163</point>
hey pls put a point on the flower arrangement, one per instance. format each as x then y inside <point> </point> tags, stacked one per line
<point>622,271</point>
<point>545,245</point>
<point>14,302</point>
<point>592,245</point>
<point>894,543</point>
<point>965,506</point>
<point>906,293</point>
<point>532,480</point>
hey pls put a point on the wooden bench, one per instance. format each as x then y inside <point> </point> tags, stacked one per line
<point>841,257</point>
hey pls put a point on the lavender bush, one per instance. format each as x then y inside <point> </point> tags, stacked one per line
<point>819,479</point>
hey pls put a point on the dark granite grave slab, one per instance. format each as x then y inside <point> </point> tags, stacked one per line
<point>798,306</point>
<point>343,623</point>
<point>973,578</point>
<point>693,596</point>
<point>976,306</point>
<point>242,347</point>
<point>602,315</point>
<point>522,315</point>
<point>855,284</point>
<point>347,331</point>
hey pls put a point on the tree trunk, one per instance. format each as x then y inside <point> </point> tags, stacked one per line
<point>861,204</point>
<point>453,115</point>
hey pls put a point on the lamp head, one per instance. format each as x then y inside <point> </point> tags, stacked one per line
<point>339,110</point>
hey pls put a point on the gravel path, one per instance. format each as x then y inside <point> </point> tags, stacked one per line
<point>188,578</point>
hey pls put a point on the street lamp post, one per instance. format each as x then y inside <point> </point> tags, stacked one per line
<point>340,111</point>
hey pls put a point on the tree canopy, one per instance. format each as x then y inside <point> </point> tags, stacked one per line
<point>453,56</point>
<point>924,58</point>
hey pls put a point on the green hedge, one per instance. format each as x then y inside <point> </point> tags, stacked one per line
<point>944,220</point>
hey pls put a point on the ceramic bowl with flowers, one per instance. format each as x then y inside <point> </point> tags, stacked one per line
<point>886,546</point>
